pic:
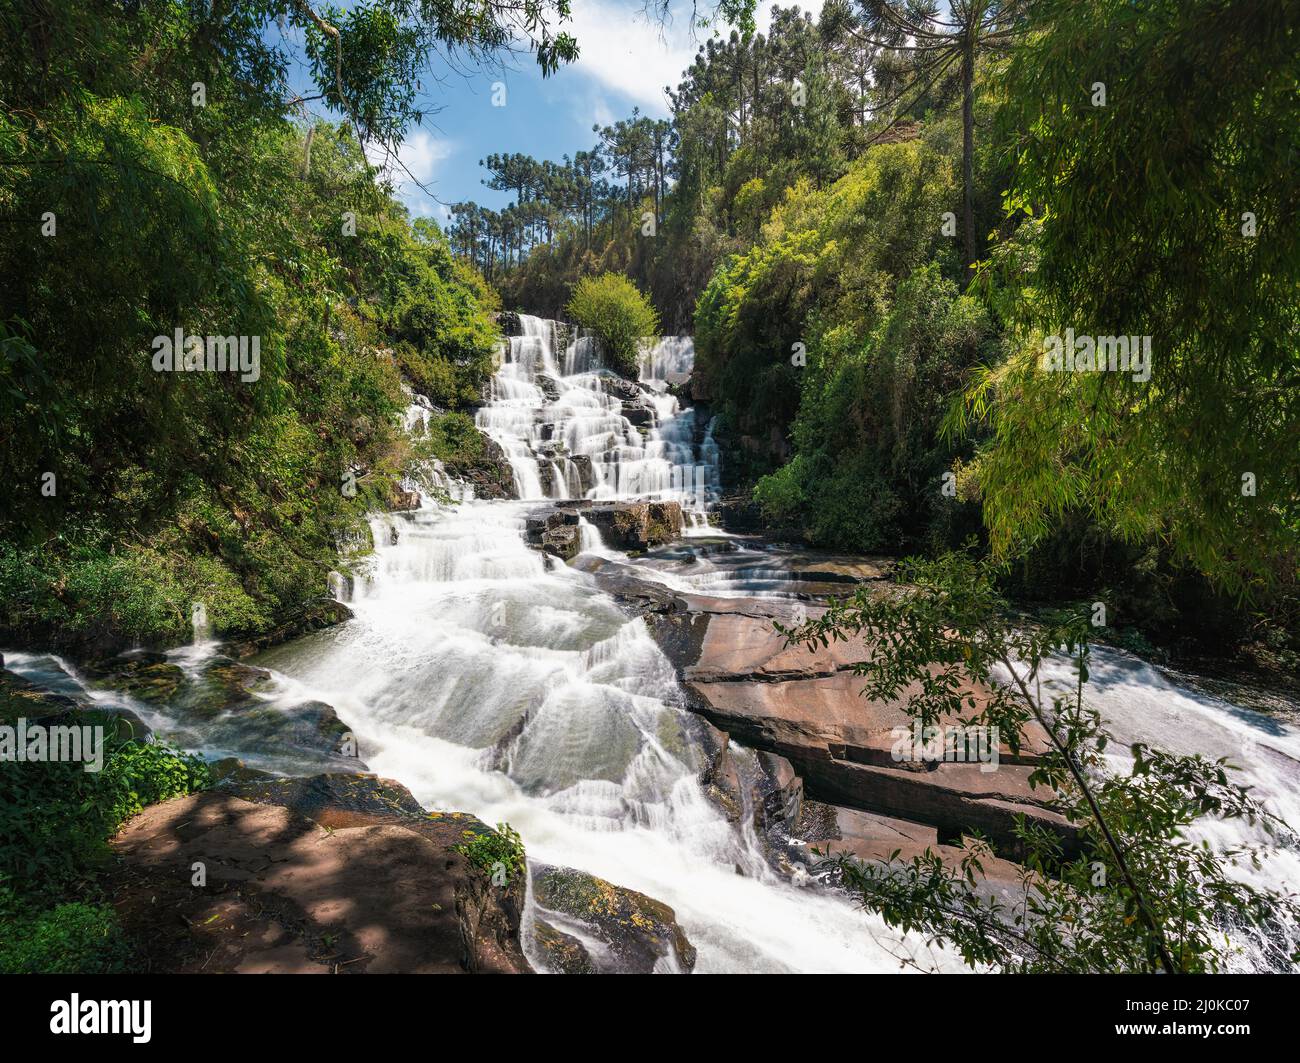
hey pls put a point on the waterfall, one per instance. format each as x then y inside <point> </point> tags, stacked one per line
<point>572,429</point>
<point>489,680</point>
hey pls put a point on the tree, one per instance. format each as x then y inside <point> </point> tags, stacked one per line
<point>620,317</point>
<point>926,47</point>
<point>1164,218</point>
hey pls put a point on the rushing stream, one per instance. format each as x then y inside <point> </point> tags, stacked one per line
<point>490,678</point>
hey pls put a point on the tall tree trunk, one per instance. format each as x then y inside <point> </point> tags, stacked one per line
<point>968,146</point>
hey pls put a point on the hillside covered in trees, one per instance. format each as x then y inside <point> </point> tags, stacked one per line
<point>870,221</point>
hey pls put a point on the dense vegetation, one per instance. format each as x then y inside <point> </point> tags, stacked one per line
<point>876,221</point>
<point>55,823</point>
<point>141,206</point>
<point>879,224</point>
<point>136,206</point>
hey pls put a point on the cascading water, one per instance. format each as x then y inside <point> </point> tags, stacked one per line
<point>1141,703</point>
<point>492,679</point>
<point>488,678</point>
<point>567,427</point>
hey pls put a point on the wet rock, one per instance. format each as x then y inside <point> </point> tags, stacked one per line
<point>489,473</point>
<point>638,934</point>
<point>315,615</point>
<point>231,771</point>
<point>634,525</point>
<point>146,675</point>
<point>639,415</point>
<point>509,324</point>
<point>404,501</point>
<point>720,779</point>
<point>740,514</point>
<point>783,798</point>
<point>323,875</point>
<point>562,953</point>
<point>556,533</point>
<point>880,839</point>
<point>329,799</point>
<point>22,699</point>
<point>586,477</point>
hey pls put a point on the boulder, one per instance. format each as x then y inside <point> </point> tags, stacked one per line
<point>637,934</point>
<point>634,525</point>
<point>403,501</point>
<point>315,615</point>
<point>555,532</point>
<point>561,953</point>
<point>322,875</point>
<point>509,324</point>
<point>22,699</point>
<point>144,674</point>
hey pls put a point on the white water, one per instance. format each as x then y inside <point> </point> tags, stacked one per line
<point>549,405</point>
<point>1141,703</point>
<point>462,635</point>
<point>490,679</point>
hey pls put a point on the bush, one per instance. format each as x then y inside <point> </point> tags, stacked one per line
<point>614,310</point>
<point>56,818</point>
<point>73,938</point>
<point>492,850</point>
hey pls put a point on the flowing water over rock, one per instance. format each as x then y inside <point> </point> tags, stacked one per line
<point>571,429</point>
<point>490,678</point>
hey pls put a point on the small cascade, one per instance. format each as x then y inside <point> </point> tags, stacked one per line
<point>572,429</point>
<point>200,624</point>
<point>340,587</point>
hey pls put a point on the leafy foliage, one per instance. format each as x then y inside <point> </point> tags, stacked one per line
<point>490,851</point>
<point>1147,222</point>
<point>136,493</point>
<point>74,938</point>
<point>55,818</point>
<point>618,315</point>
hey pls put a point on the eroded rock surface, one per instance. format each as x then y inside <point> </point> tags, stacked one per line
<point>618,930</point>
<point>806,706</point>
<point>331,874</point>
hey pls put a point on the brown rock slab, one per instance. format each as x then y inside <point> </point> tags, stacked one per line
<point>358,888</point>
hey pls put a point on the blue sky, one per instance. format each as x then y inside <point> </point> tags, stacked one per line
<point>625,62</point>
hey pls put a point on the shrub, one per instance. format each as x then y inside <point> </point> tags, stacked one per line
<point>499,849</point>
<point>619,316</point>
<point>56,818</point>
<point>73,938</point>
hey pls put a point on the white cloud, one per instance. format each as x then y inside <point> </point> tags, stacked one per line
<point>419,156</point>
<point>625,52</point>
